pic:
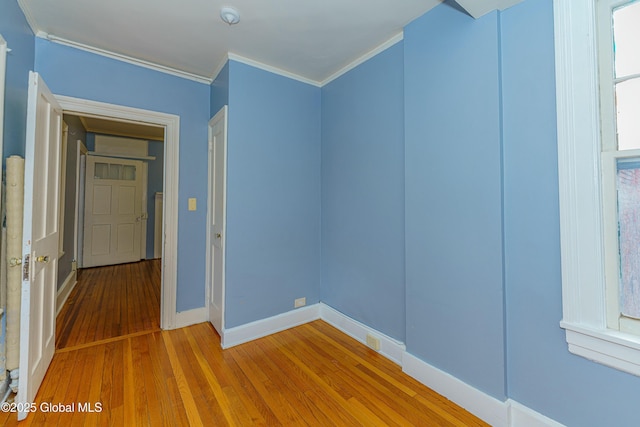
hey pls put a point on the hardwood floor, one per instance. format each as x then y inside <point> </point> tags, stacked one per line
<point>109,302</point>
<point>311,375</point>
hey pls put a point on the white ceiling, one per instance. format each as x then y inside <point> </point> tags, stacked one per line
<point>309,39</point>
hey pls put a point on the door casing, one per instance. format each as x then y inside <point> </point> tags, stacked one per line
<point>171,123</point>
<point>216,246</point>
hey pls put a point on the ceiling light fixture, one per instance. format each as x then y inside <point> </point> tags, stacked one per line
<point>229,15</point>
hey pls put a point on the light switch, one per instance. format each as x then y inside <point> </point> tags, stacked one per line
<point>192,204</point>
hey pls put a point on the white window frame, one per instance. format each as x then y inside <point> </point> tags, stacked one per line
<point>579,173</point>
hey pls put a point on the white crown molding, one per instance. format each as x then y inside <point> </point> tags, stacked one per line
<point>24,5</point>
<point>26,11</point>
<point>270,68</point>
<point>353,64</point>
<point>373,52</point>
<point>124,58</point>
<point>219,67</point>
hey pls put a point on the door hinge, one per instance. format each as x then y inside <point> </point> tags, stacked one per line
<point>25,267</point>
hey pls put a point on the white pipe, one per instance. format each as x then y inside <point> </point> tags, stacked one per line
<point>15,201</point>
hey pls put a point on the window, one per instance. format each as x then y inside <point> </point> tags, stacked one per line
<point>619,72</point>
<point>114,171</point>
<point>599,166</point>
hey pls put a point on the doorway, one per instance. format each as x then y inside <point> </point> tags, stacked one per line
<point>170,124</point>
<point>109,235</point>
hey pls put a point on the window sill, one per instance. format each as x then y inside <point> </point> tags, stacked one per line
<point>608,347</point>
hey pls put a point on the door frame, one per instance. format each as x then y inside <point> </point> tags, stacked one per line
<point>221,115</point>
<point>171,123</point>
<point>81,153</point>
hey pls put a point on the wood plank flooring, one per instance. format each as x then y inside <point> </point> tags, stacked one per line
<point>311,375</point>
<point>111,301</point>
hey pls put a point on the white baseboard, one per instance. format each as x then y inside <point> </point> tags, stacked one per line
<point>262,328</point>
<point>191,317</point>
<point>520,415</point>
<point>65,290</point>
<point>483,406</point>
<point>390,348</point>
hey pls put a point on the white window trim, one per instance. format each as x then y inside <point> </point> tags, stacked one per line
<point>581,219</point>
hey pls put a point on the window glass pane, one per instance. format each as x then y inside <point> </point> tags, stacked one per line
<point>628,182</point>
<point>115,171</point>
<point>628,114</point>
<point>101,171</point>
<point>129,173</point>
<point>626,34</point>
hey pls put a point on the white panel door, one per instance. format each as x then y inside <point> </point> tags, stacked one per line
<point>216,217</point>
<point>40,239</point>
<point>113,211</point>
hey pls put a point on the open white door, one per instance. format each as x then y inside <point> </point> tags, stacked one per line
<point>112,211</point>
<point>40,239</point>
<point>216,217</point>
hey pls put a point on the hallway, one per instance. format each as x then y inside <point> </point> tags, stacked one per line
<point>109,302</point>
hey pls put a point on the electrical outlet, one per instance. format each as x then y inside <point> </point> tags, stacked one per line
<point>192,204</point>
<point>74,265</point>
<point>373,342</point>
<point>300,302</point>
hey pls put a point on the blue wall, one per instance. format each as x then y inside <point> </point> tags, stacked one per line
<point>542,374</point>
<point>273,194</point>
<point>454,266</point>
<point>363,193</point>
<point>76,132</point>
<point>19,37</point>
<point>73,72</point>
<point>219,90</point>
<point>473,180</point>
<point>155,183</point>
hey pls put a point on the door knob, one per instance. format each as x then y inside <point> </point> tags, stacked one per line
<point>218,235</point>
<point>43,259</point>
